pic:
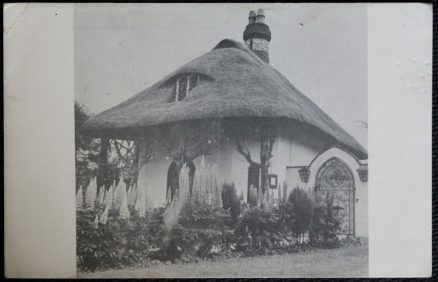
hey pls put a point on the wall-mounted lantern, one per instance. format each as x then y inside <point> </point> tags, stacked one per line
<point>304,174</point>
<point>363,173</point>
<point>273,181</point>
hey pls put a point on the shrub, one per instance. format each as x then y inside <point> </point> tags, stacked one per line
<point>200,230</point>
<point>325,225</point>
<point>258,230</point>
<point>230,200</point>
<point>203,215</point>
<point>203,230</point>
<point>189,244</point>
<point>146,232</point>
<point>97,248</point>
<point>117,243</point>
<point>299,208</point>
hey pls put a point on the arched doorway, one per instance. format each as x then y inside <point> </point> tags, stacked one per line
<point>173,179</point>
<point>334,179</point>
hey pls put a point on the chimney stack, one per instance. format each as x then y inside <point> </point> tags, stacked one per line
<point>257,35</point>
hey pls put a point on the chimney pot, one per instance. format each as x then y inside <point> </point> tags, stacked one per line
<point>252,17</point>
<point>260,18</point>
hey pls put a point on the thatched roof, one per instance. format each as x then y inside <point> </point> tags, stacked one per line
<point>239,84</point>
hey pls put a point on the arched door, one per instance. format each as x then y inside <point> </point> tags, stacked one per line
<point>334,179</point>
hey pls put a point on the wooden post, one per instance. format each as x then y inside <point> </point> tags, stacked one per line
<point>264,158</point>
<point>267,138</point>
<point>103,162</point>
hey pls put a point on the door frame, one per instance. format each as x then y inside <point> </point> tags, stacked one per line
<point>351,191</point>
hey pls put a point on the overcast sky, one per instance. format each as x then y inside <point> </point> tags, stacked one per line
<point>121,49</point>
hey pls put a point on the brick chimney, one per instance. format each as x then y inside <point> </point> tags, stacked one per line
<point>257,34</point>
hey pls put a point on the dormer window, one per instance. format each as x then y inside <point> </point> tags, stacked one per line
<point>184,84</point>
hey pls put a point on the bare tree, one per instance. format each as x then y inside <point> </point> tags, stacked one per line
<point>186,141</point>
<point>266,131</point>
<point>267,139</point>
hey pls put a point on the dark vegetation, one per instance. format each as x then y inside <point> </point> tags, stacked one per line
<point>204,232</point>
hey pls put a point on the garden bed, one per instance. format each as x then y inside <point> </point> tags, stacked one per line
<point>204,233</point>
<point>350,260</point>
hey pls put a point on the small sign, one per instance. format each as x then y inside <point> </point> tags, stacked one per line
<point>273,181</point>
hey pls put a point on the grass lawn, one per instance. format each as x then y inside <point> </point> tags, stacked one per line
<point>350,261</point>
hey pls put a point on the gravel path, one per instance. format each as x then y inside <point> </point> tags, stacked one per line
<point>351,261</point>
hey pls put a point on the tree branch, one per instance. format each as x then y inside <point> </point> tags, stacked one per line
<point>242,147</point>
<point>272,135</point>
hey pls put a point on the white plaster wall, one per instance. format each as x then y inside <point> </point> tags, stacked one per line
<point>301,153</point>
<point>232,166</point>
<point>362,209</point>
<point>280,159</point>
<point>289,149</point>
<point>293,179</point>
<point>239,173</point>
<point>153,175</point>
<point>220,158</point>
<point>156,179</point>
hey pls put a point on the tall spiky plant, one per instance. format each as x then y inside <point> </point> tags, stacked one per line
<point>171,215</point>
<point>271,198</point>
<point>259,197</point>
<point>90,194</point>
<point>285,192</point>
<point>109,198</point>
<point>124,210</point>
<point>201,180</point>
<point>133,195</point>
<point>184,189</point>
<point>101,196</point>
<point>79,199</point>
<point>140,204</point>
<point>118,195</point>
<point>104,217</point>
<point>195,196</point>
<point>217,198</point>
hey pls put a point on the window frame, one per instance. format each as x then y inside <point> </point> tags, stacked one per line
<point>187,77</point>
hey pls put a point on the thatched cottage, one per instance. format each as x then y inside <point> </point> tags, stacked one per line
<point>245,118</point>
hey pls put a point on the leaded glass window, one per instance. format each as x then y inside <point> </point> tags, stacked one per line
<point>184,85</point>
<point>193,81</point>
<point>182,88</point>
